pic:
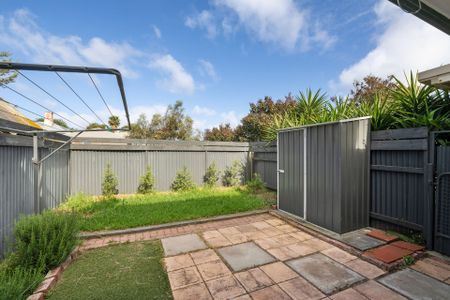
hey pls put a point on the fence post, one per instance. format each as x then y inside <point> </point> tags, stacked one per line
<point>37,175</point>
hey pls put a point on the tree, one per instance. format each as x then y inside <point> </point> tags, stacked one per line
<point>261,115</point>
<point>370,86</point>
<point>58,122</point>
<point>224,133</point>
<point>6,76</point>
<point>173,125</point>
<point>114,122</point>
<point>96,126</point>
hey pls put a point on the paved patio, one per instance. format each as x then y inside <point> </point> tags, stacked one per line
<point>263,257</point>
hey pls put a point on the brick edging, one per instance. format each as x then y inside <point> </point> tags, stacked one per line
<point>54,275</point>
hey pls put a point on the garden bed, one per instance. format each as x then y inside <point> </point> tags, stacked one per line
<point>163,207</point>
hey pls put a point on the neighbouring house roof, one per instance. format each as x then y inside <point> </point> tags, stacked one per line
<point>11,114</point>
<point>434,12</point>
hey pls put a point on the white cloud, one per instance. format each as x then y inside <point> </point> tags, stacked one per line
<point>203,20</point>
<point>156,31</point>
<point>22,33</point>
<point>281,23</point>
<point>231,117</point>
<point>205,111</point>
<point>208,69</point>
<point>406,43</point>
<point>176,78</point>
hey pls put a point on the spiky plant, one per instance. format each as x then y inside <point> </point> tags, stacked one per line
<point>381,110</point>
<point>311,105</point>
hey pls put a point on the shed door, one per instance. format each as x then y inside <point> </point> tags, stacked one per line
<point>291,155</point>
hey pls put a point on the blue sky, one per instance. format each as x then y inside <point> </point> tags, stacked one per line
<point>217,55</point>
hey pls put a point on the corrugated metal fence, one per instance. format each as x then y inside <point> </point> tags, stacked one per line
<point>129,161</point>
<point>17,181</point>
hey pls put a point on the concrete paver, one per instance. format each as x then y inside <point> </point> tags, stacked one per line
<point>364,268</point>
<point>348,294</point>
<point>204,256</point>
<point>416,285</point>
<point>338,255</point>
<point>182,244</point>
<point>324,273</point>
<point>270,293</point>
<point>213,269</point>
<point>184,277</point>
<point>244,256</point>
<point>225,288</point>
<point>196,291</point>
<point>375,291</point>
<point>433,268</point>
<point>299,289</point>
<point>178,262</point>
<point>254,279</point>
<point>279,272</point>
<point>361,241</point>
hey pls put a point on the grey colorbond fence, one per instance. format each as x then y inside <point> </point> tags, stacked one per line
<point>400,180</point>
<point>17,181</point>
<point>130,158</point>
<point>265,162</point>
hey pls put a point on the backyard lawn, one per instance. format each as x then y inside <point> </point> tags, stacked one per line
<point>112,273</point>
<point>97,213</point>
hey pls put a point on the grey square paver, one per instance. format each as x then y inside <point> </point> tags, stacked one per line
<point>415,285</point>
<point>324,273</point>
<point>244,256</point>
<point>182,244</point>
<point>361,241</point>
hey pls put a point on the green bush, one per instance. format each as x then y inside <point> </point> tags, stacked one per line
<point>147,182</point>
<point>256,184</point>
<point>110,183</point>
<point>43,241</point>
<point>232,176</point>
<point>183,181</point>
<point>18,283</point>
<point>211,176</point>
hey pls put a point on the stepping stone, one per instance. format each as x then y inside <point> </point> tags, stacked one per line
<point>324,273</point>
<point>387,253</point>
<point>182,244</point>
<point>415,285</point>
<point>245,256</point>
<point>408,246</point>
<point>381,235</point>
<point>361,241</point>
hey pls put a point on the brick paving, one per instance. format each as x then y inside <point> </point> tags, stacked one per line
<point>205,274</point>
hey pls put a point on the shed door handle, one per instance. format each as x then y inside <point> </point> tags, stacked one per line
<point>281,171</point>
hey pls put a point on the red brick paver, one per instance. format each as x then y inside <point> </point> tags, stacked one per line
<point>382,235</point>
<point>388,253</point>
<point>408,246</point>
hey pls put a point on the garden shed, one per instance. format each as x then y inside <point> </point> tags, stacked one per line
<point>323,173</point>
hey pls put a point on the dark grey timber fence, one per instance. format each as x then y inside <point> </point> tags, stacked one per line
<point>401,181</point>
<point>265,162</point>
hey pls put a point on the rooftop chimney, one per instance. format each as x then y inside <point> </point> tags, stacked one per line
<point>48,118</point>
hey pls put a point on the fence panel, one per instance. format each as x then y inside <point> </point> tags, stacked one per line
<point>130,158</point>
<point>265,163</point>
<point>398,179</point>
<point>17,182</point>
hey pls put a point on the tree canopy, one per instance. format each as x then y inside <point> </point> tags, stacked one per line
<point>6,76</point>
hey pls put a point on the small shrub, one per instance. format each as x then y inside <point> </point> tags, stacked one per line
<point>232,176</point>
<point>256,184</point>
<point>18,283</point>
<point>110,183</point>
<point>183,181</point>
<point>147,182</point>
<point>211,176</point>
<point>44,241</point>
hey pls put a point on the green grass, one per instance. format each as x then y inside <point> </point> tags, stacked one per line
<point>127,271</point>
<point>164,207</point>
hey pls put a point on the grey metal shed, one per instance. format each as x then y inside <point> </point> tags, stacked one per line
<point>323,173</point>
